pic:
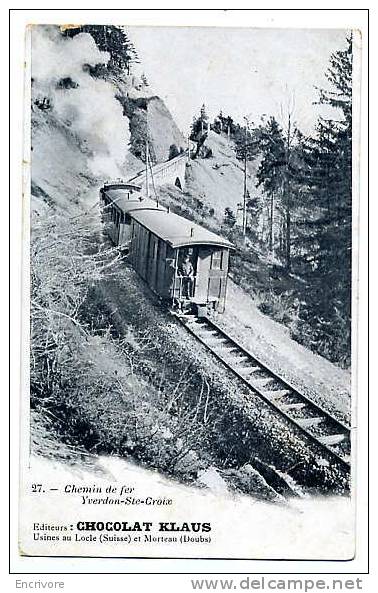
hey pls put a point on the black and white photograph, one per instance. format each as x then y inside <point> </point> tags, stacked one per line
<point>190,225</point>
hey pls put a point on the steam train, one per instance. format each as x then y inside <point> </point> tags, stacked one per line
<point>182,262</point>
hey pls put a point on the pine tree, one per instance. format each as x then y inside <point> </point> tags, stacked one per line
<point>253,209</point>
<point>229,219</point>
<point>203,114</point>
<point>246,142</point>
<point>199,124</point>
<point>280,177</point>
<point>113,40</point>
<point>328,234</point>
<point>270,174</point>
<point>218,124</point>
<point>290,180</point>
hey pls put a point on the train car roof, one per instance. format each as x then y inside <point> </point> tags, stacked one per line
<point>121,185</point>
<point>178,231</point>
<point>129,202</point>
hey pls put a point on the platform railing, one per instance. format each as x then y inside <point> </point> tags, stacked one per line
<point>179,286</point>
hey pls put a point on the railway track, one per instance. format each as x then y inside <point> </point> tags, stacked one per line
<point>331,436</point>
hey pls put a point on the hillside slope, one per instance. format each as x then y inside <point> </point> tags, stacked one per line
<point>148,118</point>
<point>219,179</point>
<point>163,131</point>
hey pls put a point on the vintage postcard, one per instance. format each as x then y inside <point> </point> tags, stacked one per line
<point>190,199</point>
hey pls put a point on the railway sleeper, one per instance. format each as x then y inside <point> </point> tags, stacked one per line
<point>226,350</point>
<point>260,382</point>
<point>225,356</point>
<point>342,449</point>
<point>309,422</point>
<point>235,363</point>
<point>203,330</point>
<point>239,352</point>
<point>214,343</point>
<point>264,373</point>
<point>241,363</point>
<point>291,407</point>
<point>223,344</point>
<point>332,439</point>
<point>208,340</point>
<point>229,355</point>
<point>239,358</point>
<point>278,394</point>
<point>246,371</point>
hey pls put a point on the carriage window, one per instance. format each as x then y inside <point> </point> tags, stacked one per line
<point>217,260</point>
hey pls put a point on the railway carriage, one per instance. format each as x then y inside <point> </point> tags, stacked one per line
<point>159,241</point>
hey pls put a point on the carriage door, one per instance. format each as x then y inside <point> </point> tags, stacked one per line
<point>202,275</point>
<point>152,261</point>
<point>216,275</point>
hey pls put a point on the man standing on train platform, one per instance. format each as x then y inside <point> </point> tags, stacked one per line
<point>186,270</point>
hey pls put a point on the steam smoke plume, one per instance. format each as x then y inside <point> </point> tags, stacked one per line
<point>89,107</point>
